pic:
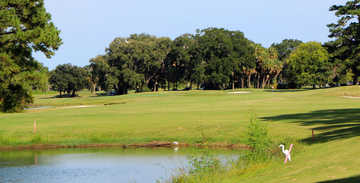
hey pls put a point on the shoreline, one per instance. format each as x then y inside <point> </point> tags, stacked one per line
<point>124,146</point>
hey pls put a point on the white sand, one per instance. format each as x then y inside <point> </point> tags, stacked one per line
<point>240,92</point>
<point>351,97</point>
<point>76,107</point>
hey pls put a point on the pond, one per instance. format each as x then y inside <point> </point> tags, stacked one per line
<point>98,165</point>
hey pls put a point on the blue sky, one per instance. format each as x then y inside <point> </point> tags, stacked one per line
<point>88,26</point>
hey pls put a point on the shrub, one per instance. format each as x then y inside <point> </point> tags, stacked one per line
<point>258,140</point>
<point>205,168</point>
<point>37,139</point>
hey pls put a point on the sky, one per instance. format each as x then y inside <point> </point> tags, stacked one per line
<point>88,26</point>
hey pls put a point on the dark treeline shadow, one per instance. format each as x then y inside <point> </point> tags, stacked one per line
<point>103,94</point>
<point>287,90</point>
<point>294,90</point>
<point>355,179</point>
<point>336,123</point>
<point>60,96</point>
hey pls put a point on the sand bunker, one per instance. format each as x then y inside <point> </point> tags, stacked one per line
<point>76,107</point>
<point>240,92</point>
<point>351,97</point>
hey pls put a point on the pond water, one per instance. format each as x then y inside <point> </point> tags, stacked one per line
<point>98,165</point>
<point>38,108</point>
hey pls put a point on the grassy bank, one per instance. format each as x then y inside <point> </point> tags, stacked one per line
<point>207,117</point>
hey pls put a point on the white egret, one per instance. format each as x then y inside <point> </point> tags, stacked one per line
<point>286,152</point>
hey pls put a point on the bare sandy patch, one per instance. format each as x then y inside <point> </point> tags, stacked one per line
<point>76,107</point>
<point>240,92</point>
<point>351,97</point>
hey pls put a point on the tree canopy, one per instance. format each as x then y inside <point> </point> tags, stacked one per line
<point>225,55</point>
<point>68,78</point>
<point>213,58</point>
<point>25,27</point>
<point>268,65</point>
<point>285,48</point>
<point>346,31</point>
<point>308,64</point>
<point>136,62</point>
<point>99,71</point>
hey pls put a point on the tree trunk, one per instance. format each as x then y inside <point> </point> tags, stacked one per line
<point>73,93</point>
<point>258,81</point>
<point>156,86</point>
<point>123,91</point>
<point>242,82</point>
<point>249,81</point>
<point>263,82</point>
<point>233,81</point>
<point>93,88</point>
<point>277,79</point>
<point>268,80</point>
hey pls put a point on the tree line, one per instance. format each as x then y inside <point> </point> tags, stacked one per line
<point>212,58</point>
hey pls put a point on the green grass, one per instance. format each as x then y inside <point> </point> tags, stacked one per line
<point>213,117</point>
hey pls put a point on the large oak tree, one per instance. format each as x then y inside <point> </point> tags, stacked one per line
<point>25,27</point>
<point>67,78</point>
<point>308,65</point>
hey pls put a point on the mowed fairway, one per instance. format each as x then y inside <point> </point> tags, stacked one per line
<point>208,117</point>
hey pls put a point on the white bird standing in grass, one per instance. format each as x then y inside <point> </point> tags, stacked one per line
<point>286,152</point>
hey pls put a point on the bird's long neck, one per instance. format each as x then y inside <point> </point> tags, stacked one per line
<point>283,149</point>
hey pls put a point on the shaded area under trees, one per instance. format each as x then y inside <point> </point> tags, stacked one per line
<point>335,123</point>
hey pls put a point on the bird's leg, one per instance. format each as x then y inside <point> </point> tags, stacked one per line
<point>291,146</point>
<point>287,157</point>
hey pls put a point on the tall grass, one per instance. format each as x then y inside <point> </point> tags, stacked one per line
<point>259,141</point>
<point>203,168</point>
<point>208,168</point>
